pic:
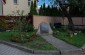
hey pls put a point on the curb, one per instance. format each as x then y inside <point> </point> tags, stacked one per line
<point>73,52</point>
<point>56,52</point>
<point>46,52</point>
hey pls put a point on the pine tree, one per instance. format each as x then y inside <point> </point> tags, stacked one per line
<point>31,8</point>
<point>44,9</point>
<point>35,11</point>
<point>52,11</point>
<point>49,10</point>
<point>41,10</point>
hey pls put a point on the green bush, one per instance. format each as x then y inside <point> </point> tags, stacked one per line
<point>18,38</point>
<point>2,24</point>
<point>28,27</point>
<point>23,37</point>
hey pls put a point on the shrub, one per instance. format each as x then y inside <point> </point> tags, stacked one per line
<point>28,27</point>
<point>2,24</point>
<point>18,38</point>
<point>23,37</point>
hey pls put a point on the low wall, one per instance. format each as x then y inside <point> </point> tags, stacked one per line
<point>48,19</point>
<point>78,21</point>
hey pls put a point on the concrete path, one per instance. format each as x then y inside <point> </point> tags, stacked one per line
<point>59,44</point>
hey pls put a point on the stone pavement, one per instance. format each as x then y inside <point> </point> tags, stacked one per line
<point>7,50</point>
<point>59,44</point>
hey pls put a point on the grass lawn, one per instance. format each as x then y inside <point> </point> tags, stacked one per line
<point>37,43</point>
<point>5,36</point>
<point>76,40</point>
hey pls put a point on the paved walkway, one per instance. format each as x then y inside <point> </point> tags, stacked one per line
<point>7,50</point>
<point>59,44</point>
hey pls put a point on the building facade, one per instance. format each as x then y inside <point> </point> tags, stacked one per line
<point>14,7</point>
<point>0,7</point>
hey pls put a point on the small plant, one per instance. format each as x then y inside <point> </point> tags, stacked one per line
<point>78,30</point>
<point>18,38</point>
<point>70,33</point>
<point>33,36</point>
<point>22,37</point>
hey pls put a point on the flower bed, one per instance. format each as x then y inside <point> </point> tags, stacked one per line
<point>31,40</point>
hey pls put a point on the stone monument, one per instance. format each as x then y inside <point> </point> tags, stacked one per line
<point>44,28</point>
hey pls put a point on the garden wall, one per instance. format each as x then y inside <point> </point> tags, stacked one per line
<point>78,21</point>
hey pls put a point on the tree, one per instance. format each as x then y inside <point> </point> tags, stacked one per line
<point>48,11</point>
<point>33,10</point>
<point>44,13</point>
<point>41,10</point>
<point>66,7</point>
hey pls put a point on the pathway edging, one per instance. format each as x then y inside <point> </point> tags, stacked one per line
<point>30,50</point>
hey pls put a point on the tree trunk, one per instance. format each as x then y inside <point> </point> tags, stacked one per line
<point>66,11</point>
<point>70,25</point>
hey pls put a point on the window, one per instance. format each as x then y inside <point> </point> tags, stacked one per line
<point>15,2</point>
<point>29,2</point>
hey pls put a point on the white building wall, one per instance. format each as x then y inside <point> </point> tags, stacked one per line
<point>0,8</point>
<point>10,7</point>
